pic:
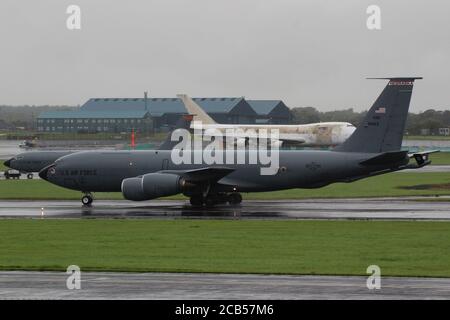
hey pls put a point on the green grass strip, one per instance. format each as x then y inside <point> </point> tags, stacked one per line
<point>245,246</point>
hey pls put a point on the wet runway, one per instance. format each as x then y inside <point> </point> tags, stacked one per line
<point>95,285</point>
<point>379,208</point>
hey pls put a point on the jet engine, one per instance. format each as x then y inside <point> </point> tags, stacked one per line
<point>151,186</point>
<point>132,189</point>
<point>158,185</point>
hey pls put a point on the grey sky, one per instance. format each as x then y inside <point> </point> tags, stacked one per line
<point>309,52</point>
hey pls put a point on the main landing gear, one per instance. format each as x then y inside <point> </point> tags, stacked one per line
<point>233,199</point>
<point>87,199</point>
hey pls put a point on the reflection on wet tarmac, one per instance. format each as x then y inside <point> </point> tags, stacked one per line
<point>176,209</point>
<point>158,211</point>
<point>385,208</point>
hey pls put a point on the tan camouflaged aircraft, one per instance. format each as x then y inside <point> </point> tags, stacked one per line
<point>321,134</point>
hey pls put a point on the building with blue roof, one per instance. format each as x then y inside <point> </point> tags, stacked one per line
<point>81,121</point>
<point>158,114</point>
<point>271,111</point>
<point>166,111</point>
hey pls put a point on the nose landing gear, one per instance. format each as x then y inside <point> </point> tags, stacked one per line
<point>87,199</point>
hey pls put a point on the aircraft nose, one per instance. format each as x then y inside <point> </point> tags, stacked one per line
<point>8,163</point>
<point>47,171</point>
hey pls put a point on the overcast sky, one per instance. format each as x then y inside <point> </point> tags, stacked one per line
<point>307,53</point>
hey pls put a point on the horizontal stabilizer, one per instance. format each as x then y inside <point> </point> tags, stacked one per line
<point>386,158</point>
<point>422,158</point>
<point>397,78</point>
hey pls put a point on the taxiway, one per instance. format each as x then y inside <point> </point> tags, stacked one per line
<point>94,285</point>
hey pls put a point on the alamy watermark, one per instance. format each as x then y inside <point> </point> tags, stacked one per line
<point>73,281</point>
<point>228,146</point>
<point>73,21</point>
<point>374,19</point>
<point>374,280</point>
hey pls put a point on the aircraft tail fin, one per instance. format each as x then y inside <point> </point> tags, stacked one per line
<point>193,108</point>
<point>383,127</point>
<point>183,123</point>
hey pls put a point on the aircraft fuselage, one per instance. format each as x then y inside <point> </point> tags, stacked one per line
<point>102,171</point>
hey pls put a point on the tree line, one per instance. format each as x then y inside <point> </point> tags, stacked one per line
<point>12,117</point>
<point>430,120</point>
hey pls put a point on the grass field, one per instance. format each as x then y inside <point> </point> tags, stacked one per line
<point>283,247</point>
<point>426,138</point>
<point>384,185</point>
<point>440,158</point>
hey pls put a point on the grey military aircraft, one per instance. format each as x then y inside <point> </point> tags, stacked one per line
<point>35,161</point>
<point>373,149</point>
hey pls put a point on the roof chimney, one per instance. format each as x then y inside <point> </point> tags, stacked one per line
<point>145,100</point>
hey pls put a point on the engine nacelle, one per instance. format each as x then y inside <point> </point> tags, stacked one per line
<point>132,189</point>
<point>151,186</point>
<point>157,185</point>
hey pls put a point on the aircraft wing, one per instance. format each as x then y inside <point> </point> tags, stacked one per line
<point>291,141</point>
<point>202,175</point>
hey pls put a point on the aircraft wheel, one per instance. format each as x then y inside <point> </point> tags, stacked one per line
<point>196,201</point>
<point>235,198</point>
<point>87,200</point>
<point>30,176</point>
<point>209,202</point>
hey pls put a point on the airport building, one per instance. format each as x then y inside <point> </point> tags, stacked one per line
<point>117,115</point>
<point>92,122</point>
<point>271,111</point>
